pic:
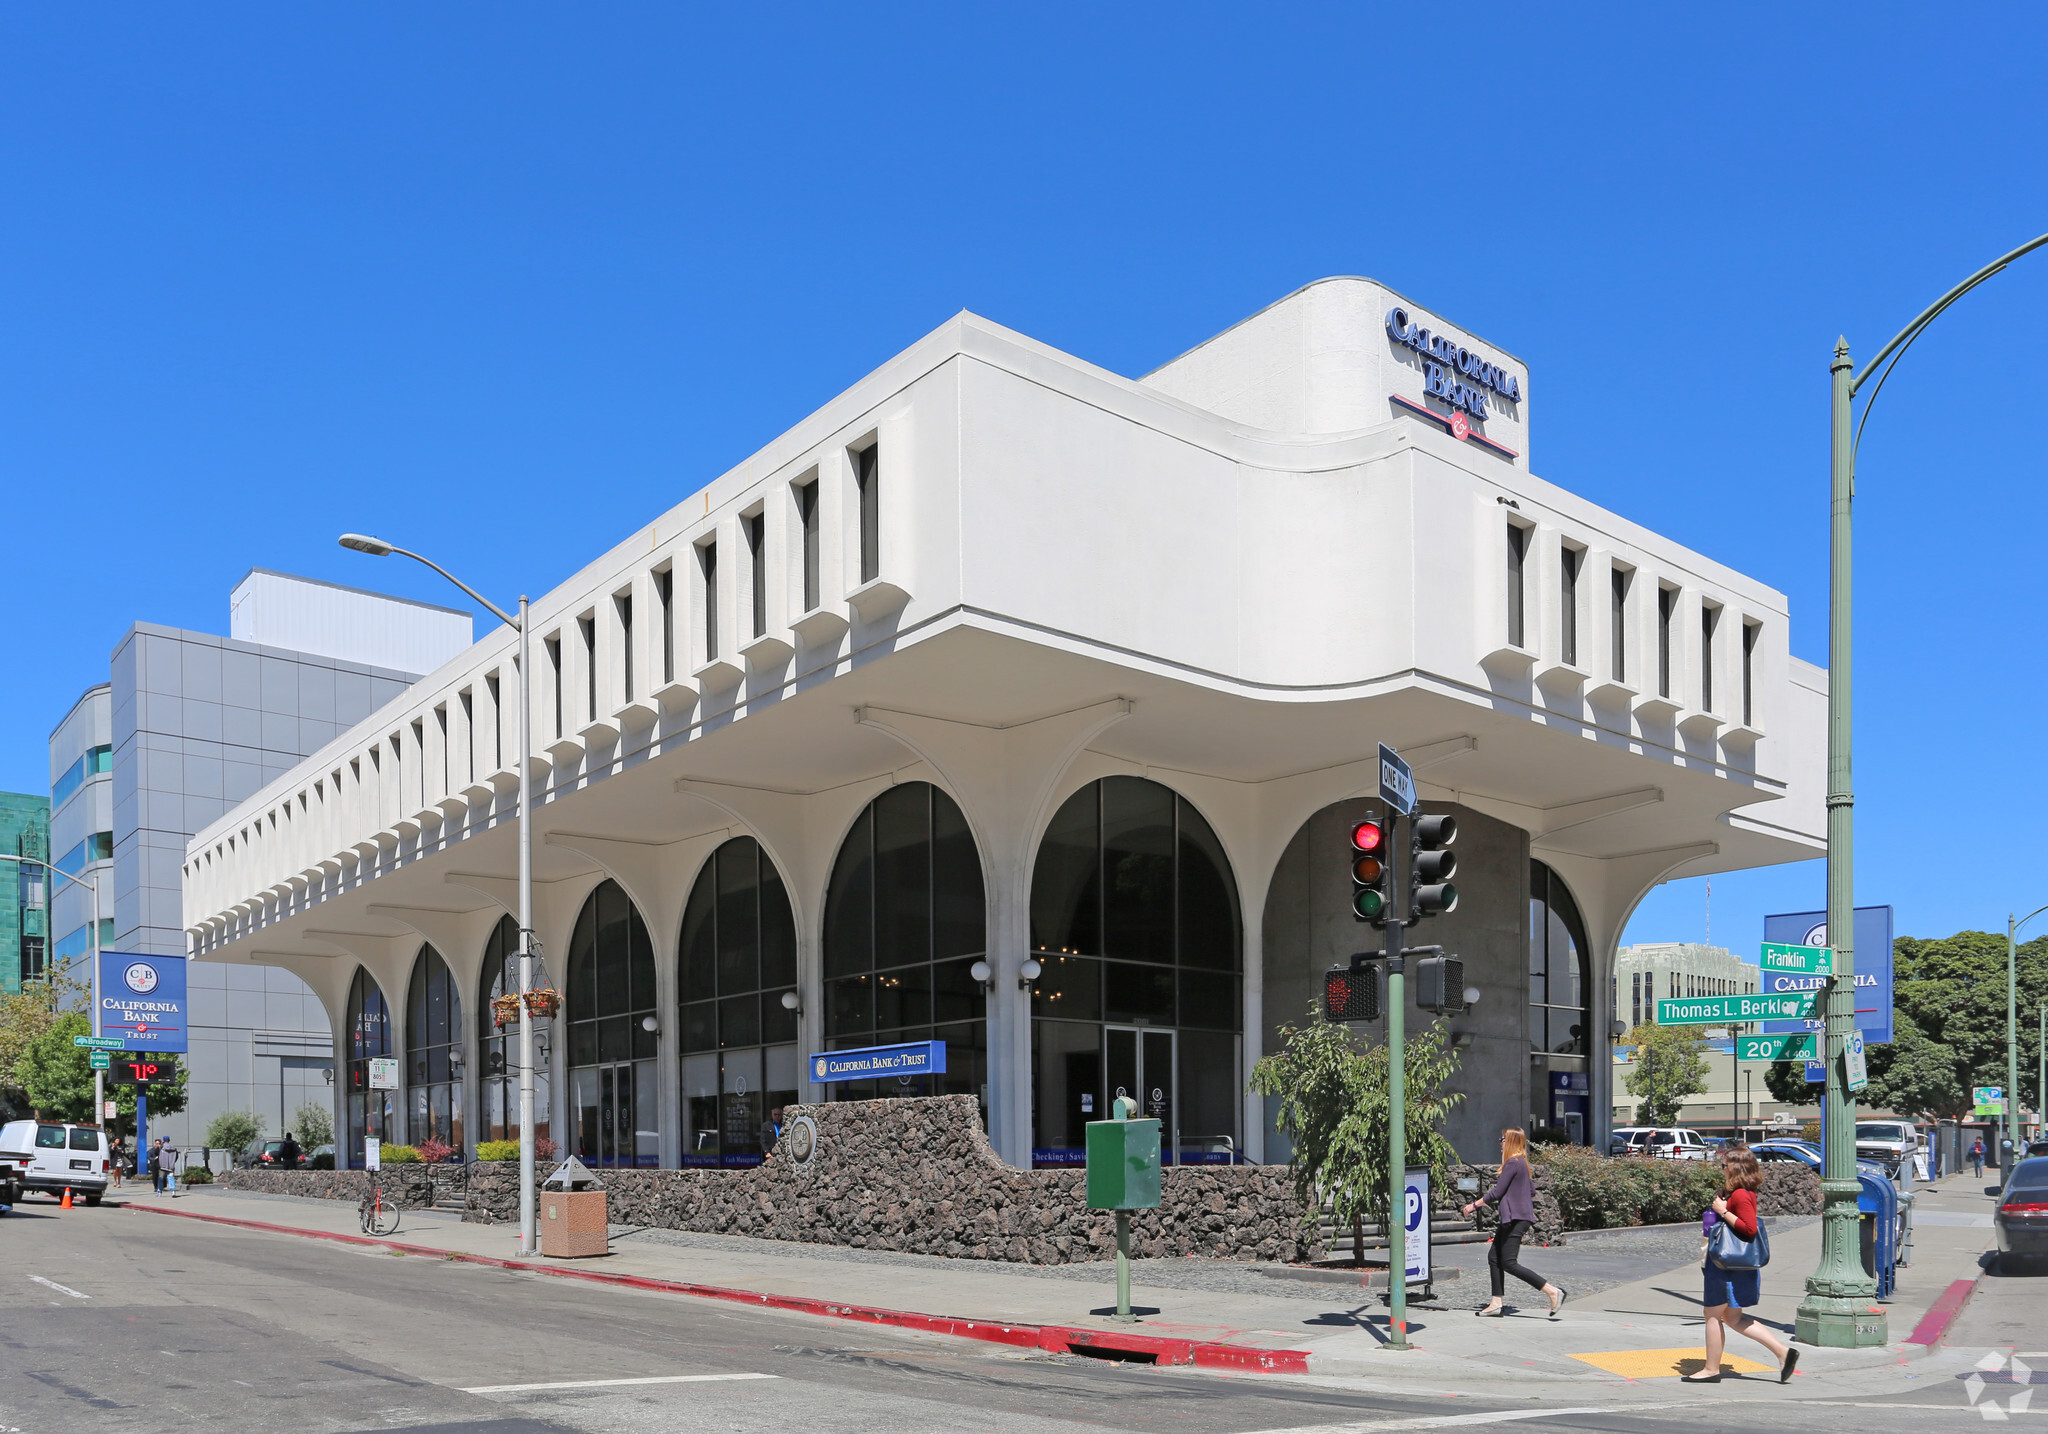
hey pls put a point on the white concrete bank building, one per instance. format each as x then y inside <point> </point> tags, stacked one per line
<point>1002,658</point>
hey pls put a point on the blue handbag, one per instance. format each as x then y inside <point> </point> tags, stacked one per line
<point>1731,1252</point>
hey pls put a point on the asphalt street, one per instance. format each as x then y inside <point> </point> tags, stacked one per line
<point>113,1320</point>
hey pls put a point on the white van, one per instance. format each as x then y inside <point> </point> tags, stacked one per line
<point>61,1156</point>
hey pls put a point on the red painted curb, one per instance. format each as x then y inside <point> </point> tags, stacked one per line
<point>1056,1339</point>
<point>1934,1324</point>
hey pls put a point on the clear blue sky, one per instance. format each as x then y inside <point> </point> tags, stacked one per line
<point>265,276</point>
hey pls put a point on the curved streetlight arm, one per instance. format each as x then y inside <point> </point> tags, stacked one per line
<point>1896,349</point>
<point>502,616</point>
<point>2028,917</point>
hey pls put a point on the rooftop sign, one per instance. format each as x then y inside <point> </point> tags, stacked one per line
<point>1448,364</point>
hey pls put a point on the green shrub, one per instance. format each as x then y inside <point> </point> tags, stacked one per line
<point>400,1155</point>
<point>320,1162</point>
<point>1597,1192</point>
<point>195,1175</point>
<point>497,1150</point>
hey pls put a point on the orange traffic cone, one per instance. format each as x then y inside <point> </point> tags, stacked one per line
<point>67,1197</point>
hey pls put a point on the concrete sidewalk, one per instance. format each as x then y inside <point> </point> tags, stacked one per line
<point>1636,1334</point>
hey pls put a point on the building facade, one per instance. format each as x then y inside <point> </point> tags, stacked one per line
<point>24,890</point>
<point>1650,972</point>
<point>187,726</point>
<point>1013,704</point>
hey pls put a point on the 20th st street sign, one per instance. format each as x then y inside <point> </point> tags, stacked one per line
<point>1798,1047</point>
<point>1723,1010</point>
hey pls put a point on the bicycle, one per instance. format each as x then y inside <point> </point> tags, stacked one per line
<point>377,1217</point>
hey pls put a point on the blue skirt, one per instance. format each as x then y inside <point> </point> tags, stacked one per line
<point>1731,1287</point>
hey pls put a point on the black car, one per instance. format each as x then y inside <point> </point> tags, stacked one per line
<point>2021,1218</point>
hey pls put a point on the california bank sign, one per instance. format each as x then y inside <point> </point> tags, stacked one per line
<point>1451,371</point>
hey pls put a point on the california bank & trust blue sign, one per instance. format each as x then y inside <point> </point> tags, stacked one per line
<point>915,1059</point>
<point>142,1000</point>
<point>1442,356</point>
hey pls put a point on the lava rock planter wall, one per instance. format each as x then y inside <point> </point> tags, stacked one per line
<point>408,1187</point>
<point>919,1176</point>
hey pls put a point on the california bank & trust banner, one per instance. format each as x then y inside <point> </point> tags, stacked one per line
<point>142,1000</point>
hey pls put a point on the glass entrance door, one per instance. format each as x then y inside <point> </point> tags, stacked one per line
<point>614,1112</point>
<point>1139,1063</point>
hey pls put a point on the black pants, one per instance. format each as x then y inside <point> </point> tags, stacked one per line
<point>1504,1258</point>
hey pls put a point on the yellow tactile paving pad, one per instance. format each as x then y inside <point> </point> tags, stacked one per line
<point>1668,1363</point>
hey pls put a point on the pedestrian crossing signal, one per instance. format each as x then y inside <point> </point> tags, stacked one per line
<point>1352,993</point>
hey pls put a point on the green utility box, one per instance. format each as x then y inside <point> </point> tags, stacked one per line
<point>1123,1164</point>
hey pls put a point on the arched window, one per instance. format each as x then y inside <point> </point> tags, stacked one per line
<point>369,1038</point>
<point>1560,1019</point>
<point>905,921</point>
<point>433,1052</point>
<point>1134,919</point>
<point>613,1106</point>
<point>498,1081</point>
<point>736,959</point>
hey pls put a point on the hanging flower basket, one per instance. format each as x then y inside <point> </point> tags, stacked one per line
<point>543,1001</point>
<point>505,1009</point>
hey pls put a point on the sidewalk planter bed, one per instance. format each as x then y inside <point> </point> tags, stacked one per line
<point>410,1188</point>
<point>1578,1190</point>
<point>919,1176</point>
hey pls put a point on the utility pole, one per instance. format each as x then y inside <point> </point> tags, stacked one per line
<point>1839,1308</point>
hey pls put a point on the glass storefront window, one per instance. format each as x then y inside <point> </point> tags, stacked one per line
<point>1134,921</point>
<point>905,921</point>
<point>736,959</point>
<point>369,1112</point>
<point>1560,1021</point>
<point>433,1040</point>
<point>612,1093</point>
<point>498,1081</point>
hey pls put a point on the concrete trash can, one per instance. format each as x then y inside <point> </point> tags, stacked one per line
<point>573,1213</point>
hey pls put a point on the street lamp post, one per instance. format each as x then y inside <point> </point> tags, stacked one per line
<point>377,548</point>
<point>2008,1145</point>
<point>99,1077</point>
<point>1840,1307</point>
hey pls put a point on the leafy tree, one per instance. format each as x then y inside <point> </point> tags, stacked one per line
<point>27,1014</point>
<point>233,1130</point>
<point>1335,1110</point>
<point>1670,1064</point>
<point>1786,1081</point>
<point>313,1124</point>
<point>55,1077</point>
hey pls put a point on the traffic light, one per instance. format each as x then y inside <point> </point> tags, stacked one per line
<point>1352,993</point>
<point>1369,871</point>
<point>1440,982</point>
<point>1430,867</point>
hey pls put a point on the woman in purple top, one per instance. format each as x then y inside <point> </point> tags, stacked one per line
<point>1514,1196</point>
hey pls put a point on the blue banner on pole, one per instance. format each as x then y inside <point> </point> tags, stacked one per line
<point>1873,968</point>
<point>142,1000</point>
<point>917,1058</point>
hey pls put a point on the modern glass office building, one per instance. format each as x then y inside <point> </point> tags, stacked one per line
<point>187,725</point>
<point>1015,711</point>
<point>24,889</point>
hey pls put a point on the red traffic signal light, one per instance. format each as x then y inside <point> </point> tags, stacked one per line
<point>1368,870</point>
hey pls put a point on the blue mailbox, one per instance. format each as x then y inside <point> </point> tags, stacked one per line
<point>1878,1204</point>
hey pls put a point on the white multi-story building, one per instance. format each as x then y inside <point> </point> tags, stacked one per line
<point>1656,971</point>
<point>1003,658</point>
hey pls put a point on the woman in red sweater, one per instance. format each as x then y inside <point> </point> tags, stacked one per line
<point>1730,1292</point>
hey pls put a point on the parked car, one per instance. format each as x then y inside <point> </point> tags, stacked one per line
<point>1674,1142</point>
<point>1805,1152</point>
<point>262,1156</point>
<point>57,1156</point>
<point>13,1172</point>
<point>1889,1142</point>
<point>1624,1139</point>
<point>2035,1147</point>
<point>2021,1218</point>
